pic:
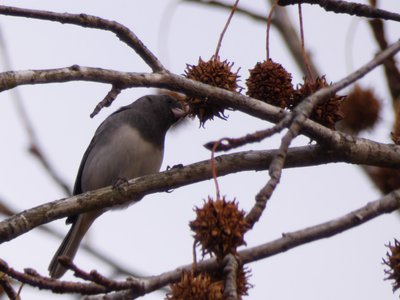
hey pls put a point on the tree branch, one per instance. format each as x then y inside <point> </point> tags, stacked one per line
<point>350,8</point>
<point>386,204</point>
<point>83,20</point>
<point>356,152</point>
<point>300,115</point>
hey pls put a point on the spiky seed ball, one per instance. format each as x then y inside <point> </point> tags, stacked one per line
<point>327,113</point>
<point>242,281</point>
<point>393,262</point>
<point>207,286</point>
<point>360,110</point>
<point>190,287</point>
<point>219,227</point>
<point>385,179</point>
<point>216,73</point>
<point>271,83</point>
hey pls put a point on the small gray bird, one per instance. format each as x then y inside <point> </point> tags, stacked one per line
<point>128,144</point>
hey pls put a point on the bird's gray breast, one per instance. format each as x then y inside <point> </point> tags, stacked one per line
<point>122,154</point>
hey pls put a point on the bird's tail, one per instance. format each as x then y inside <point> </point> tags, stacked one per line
<point>70,244</point>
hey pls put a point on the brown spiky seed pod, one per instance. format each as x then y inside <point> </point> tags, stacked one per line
<point>219,227</point>
<point>360,110</point>
<point>385,179</point>
<point>327,113</point>
<point>206,286</point>
<point>190,287</point>
<point>216,73</point>
<point>393,262</point>
<point>271,83</point>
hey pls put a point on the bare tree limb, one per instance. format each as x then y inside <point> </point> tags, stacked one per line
<point>83,20</point>
<point>386,204</point>
<point>358,152</point>
<point>350,8</point>
<point>118,268</point>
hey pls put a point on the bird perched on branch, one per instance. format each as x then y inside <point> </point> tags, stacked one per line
<point>128,144</point>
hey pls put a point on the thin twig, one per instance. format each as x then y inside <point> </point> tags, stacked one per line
<point>96,277</point>
<point>225,28</point>
<point>107,101</point>
<point>117,268</point>
<point>350,8</point>
<point>269,19</point>
<point>32,278</point>
<point>214,170</point>
<point>282,23</point>
<point>226,144</point>
<point>122,32</point>
<point>305,58</point>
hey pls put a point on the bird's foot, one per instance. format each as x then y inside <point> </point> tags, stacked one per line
<point>121,184</point>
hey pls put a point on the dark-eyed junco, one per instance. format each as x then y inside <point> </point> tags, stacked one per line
<point>128,144</point>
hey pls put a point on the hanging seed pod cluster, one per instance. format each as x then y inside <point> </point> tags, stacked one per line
<point>327,113</point>
<point>206,286</point>
<point>271,83</point>
<point>219,229</point>
<point>216,73</point>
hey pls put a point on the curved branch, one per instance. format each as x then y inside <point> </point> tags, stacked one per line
<point>357,153</point>
<point>122,32</point>
<point>350,8</point>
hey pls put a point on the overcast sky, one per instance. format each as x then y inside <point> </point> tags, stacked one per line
<point>153,236</point>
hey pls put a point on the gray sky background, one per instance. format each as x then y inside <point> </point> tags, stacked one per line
<point>153,236</point>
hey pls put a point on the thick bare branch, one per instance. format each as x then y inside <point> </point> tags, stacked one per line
<point>122,32</point>
<point>350,8</point>
<point>387,204</point>
<point>356,151</point>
